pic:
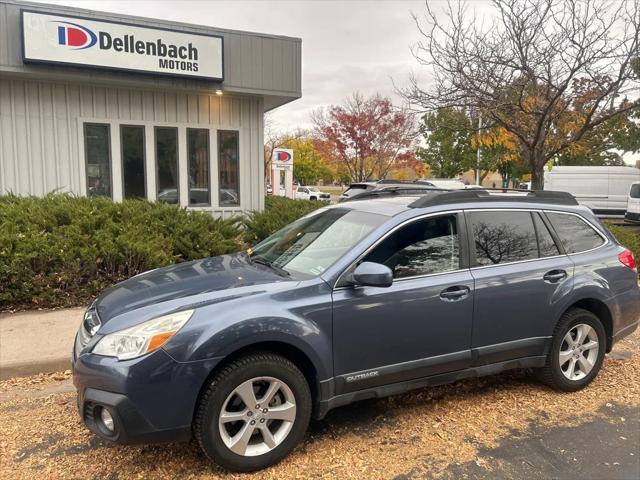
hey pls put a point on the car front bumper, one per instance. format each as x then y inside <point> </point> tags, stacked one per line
<point>151,399</point>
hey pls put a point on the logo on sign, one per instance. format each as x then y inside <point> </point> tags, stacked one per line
<point>283,156</point>
<point>75,36</point>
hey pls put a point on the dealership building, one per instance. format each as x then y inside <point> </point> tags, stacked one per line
<point>97,103</point>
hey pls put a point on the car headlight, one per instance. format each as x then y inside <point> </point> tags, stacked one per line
<point>141,339</point>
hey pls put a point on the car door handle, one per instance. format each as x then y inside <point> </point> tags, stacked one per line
<point>455,293</point>
<point>554,276</point>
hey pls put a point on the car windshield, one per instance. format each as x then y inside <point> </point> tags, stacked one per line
<point>313,189</point>
<point>351,191</point>
<point>313,243</point>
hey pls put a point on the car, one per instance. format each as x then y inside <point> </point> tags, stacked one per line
<point>363,299</point>
<point>311,193</point>
<point>633,204</point>
<point>355,189</point>
<point>447,184</point>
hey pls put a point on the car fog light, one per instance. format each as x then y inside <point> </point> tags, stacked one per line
<point>107,419</point>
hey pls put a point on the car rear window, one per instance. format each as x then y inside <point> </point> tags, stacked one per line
<point>503,237</point>
<point>635,191</point>
<point>575,234</point>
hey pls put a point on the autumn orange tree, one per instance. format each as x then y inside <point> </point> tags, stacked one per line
<point>368,137</point>
<point>543,75</point>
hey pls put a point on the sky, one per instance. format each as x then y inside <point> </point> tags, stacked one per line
<point>347,45</point>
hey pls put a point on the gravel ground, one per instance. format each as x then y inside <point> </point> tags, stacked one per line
<point>439,431</point>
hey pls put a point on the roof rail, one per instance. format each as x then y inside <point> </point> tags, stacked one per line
<point>485,195</point>
<point>386,181</point>
<point>390,191</point>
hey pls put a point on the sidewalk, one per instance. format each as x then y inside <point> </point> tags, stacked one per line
<point>37,341</point>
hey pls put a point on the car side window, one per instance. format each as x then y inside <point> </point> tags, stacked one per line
<point>503,236</point>
<point>575,234</point>
<point>546,244</point>
<point>420,248</point>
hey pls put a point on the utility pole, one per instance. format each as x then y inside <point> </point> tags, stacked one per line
<point>478,152</point>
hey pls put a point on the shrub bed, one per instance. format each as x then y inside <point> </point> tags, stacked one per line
<point>278,212</point>
<point>62,250</point>
<point>629,238</point>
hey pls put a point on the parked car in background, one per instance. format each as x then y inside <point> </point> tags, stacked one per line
<point>603,189</point>
<point>633,204</point>
<point>368,298</point>
<point>362,187</point>
<point>311,193</point>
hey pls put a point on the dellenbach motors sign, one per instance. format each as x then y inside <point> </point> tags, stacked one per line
<point>79,41</point>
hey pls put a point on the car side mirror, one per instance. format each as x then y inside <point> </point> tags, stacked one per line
<point>370,274</point>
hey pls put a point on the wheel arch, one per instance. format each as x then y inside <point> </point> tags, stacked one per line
<point>600,310</point>
<point>287,350</point>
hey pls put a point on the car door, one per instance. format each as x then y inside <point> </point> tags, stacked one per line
<point>521,277</point>
<point>421,324</point>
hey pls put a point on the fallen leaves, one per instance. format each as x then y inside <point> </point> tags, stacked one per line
<point>417,434</point>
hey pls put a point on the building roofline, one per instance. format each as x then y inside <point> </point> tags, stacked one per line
<point>113,16</point>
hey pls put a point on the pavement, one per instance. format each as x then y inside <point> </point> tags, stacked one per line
<point>37,341</point>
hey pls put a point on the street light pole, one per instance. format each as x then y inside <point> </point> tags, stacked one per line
<point>478,152</point>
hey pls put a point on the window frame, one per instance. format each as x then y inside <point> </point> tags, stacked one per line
<point>144,158</point>
<point>463,248</point>
<point>580,217</point>
<point>219,133</point>
<point>86,152</point>
<point>209,163</point>
<point>155,162</point>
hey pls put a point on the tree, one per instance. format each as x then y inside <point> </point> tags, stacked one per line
<point>448,150</point>
<point>527,71</point>
<point>367,136</point>
<point>309,165</point>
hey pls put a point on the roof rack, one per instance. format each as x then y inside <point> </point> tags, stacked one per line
<point>485,195</point>
<point>418,189</point>
<point>386,181</point>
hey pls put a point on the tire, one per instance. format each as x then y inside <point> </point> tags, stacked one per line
<point>262,371</point>
<point>313,199</point>
<point>560,377</point>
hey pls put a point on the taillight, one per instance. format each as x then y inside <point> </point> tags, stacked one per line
<point>626,258</point>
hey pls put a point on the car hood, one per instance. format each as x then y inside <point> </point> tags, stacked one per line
<point>180,281</point>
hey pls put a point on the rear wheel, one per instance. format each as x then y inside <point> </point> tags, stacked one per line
<point>255,411</point>
<point>577,351</point>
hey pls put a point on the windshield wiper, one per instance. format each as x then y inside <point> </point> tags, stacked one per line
<point>263,261</point>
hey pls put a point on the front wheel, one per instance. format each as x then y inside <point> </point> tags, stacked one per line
<point>577,351</point>
<point>254,412</point>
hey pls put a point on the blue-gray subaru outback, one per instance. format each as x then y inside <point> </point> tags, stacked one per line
<point>381,294</point>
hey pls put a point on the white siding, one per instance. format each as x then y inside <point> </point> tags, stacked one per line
<point>41,144</point>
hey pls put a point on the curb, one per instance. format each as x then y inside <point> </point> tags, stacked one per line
<point>32,368</point>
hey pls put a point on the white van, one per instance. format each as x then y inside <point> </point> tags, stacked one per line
<point>603,189</point>
<point>633,204</point>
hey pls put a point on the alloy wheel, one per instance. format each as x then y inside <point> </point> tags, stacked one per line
<point>257,416</point>
<point>579,351</point>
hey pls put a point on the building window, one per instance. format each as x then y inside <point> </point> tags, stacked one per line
<point>167,164</point>
<point>133,176</point>
<point>198,155</point>
<point>229,167</point>
<point>97,147</point>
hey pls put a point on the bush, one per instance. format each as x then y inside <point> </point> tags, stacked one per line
<point>278,212</point>
<point>629,238</point>
<point>62,250</point>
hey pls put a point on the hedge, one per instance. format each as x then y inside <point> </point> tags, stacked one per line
<point>278,212</point>
<point>62,250</point>
<point>629,238</point>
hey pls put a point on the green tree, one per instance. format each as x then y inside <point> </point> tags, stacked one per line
<point>448,150</point>
<point>308,163</point>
